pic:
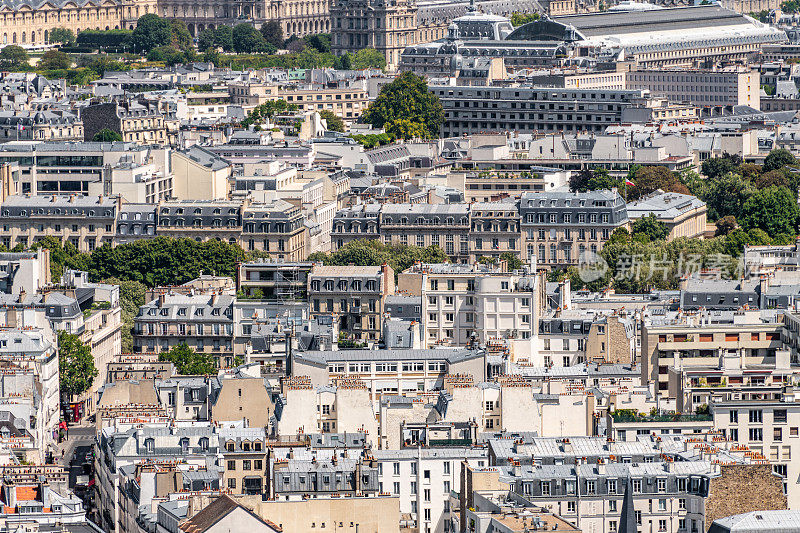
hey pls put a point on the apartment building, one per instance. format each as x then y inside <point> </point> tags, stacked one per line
<point>267,280</point>
<point>444,225</point>
<point>704,339</point>
<point>246,459</point>
<point>35,350</point>
<point>767,422</point>
<point>136,120</point>
<point>465,304</point>
<point>347,103</point>
<point>389,372</point>
<point>85,222</point>
<point>354,295</point>
<point>664,496</point>
<point>202,322</point>
<point>277,227</point>
<point>494,230</point>
<point>560,226</point>
<point>345,408</point>
<point>529,109</point>
<point>704,88</point>
<point>423,479</point>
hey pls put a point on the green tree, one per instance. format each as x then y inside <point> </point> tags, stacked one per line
<point>321,42</point>
<point>649,227</point>
<point>513,262</point>
<point>405,128</point>
<point>62,36</point>
<point>594,180</point>
<point>131,298</point>
<point>790,6</point>
<point>777,178</point>
<point>163,260</point>
<point>205,40</point>
<point>368,58</point>
<point>717,166</point>
<point>649,179</point>
<point>116,40</point>
<point>54,60</point>
<point>246,39</point>
<point>151,32</point>
<point>76,370</point>
<point>725,225</point>
<point>375,253</point>
<point>266,110</point>
<point>749,171</point>
<point>335,123</point>
<point>726,195</point>
<point>407,97</point>
<point>519,19</point>
<point>777,159</point>
<point>188,362</point>
<point>107,136</point>
<point>272,32</point>
<point>223,38</point>
<point>773,209</point>
<point>180,36</point>
<point>13,57</point>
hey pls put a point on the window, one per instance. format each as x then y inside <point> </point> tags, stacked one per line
<point>396,469</point>
<point>231,483</point>
<point>612,486</point>
<point>570,507</point>
<point>545,486</point>
<point>779,415</point>
<point>662,525</point>
<point>756,434</point>
<point>733,416</point>
<point>662,485</point>
<point>590,487</point>
<point>756,416</point>
<point>231,465</point>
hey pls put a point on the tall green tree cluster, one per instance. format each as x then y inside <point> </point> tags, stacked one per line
<point>76,370</point>
<point>153,262</point>
<point>374,253</point>
<point>188,362</point>
<point>751,196</point>
<point>406,109</point>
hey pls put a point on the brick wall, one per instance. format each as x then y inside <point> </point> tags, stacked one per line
<point>744,488</point>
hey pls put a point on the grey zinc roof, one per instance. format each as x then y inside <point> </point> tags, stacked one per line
<point>449,354</point>
<point>676,19</point>
<point>777,521</point>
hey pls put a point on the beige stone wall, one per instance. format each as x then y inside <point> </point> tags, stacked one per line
<point>375,515</point>
<point>244,398</point>
<point>744,488</point>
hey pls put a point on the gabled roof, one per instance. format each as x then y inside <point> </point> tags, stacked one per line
<point>216,511</point>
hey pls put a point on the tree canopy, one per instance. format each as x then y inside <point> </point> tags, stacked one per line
<point>334,121</point>
<point>272,32</point>
<point>367,58</point>
<point>778,159</point>
<point>406,98</point>
<point>220,37</point>
<point>773,210</point>
<point>75,365</point>
<point>519,19</point>
<point>593,180</point>
<point>374,253</point>
<point>717,166</point>
<point>188,362</point>
<point>247,39</point>
<point>106,135</point>
<point>131,298</point>
<point>151,32</point>
<point>13,57</point>
<point>266,110</point>
<point>649,228</point>
<point>54,60</point>
<point>63,36</point>
<point>648,179</point>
